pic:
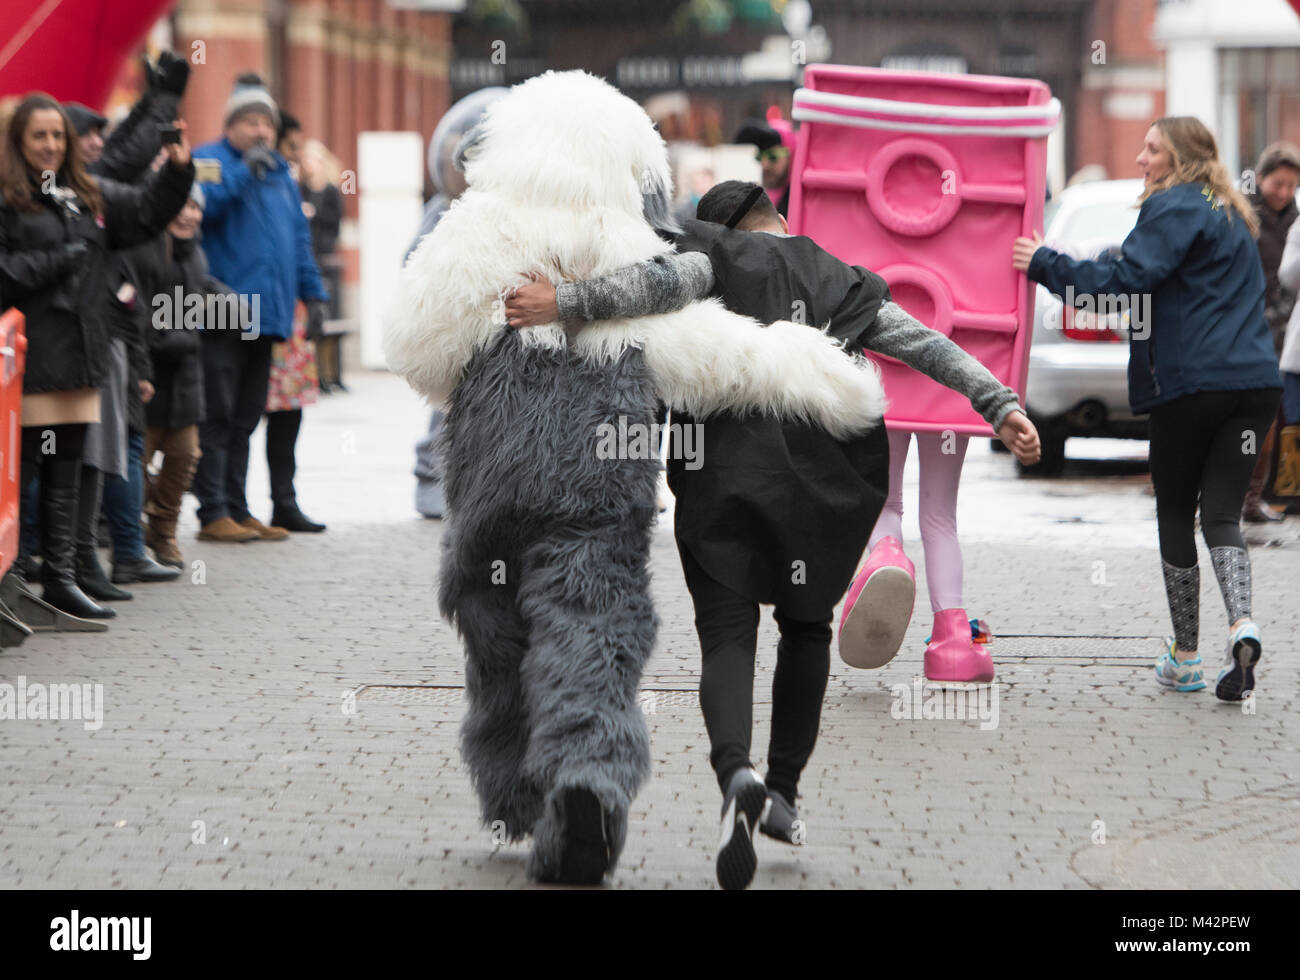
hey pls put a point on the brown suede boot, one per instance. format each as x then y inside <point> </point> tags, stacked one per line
<point>1253,509</point>
<point>163,504</point>
<point>264,531</point>
<point>225,529</point>
<point>160,535</point>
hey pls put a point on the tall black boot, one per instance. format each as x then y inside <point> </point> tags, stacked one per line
<point>28,565</point>
<point>90,574</point>
<point>59,479</point>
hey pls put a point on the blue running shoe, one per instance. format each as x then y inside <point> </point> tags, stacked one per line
<point>1180,675</point>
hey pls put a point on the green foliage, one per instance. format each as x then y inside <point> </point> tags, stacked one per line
<point>716,16</point>
<point>707,16</point>
<point>505,17</point>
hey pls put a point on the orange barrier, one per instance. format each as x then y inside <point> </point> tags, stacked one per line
<point>13,350</point>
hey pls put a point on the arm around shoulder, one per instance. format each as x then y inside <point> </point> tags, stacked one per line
<point>660,285</point>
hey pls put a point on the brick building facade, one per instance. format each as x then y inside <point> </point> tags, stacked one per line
<point>340,66</point>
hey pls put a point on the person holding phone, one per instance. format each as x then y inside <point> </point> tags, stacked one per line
<point>58,229</point>
<point>257,242</point>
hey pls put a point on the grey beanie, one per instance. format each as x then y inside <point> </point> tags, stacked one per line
<point>250,95</point>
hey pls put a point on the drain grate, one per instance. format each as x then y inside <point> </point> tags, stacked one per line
<point>654,699</point>
<point>412,694</point>
<point>651,700</point>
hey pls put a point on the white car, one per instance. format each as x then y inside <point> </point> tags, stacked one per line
<point>1078,361</point>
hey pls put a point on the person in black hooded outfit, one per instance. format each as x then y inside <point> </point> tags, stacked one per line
<point>58,227</point>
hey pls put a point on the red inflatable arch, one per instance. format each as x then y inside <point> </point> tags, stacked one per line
<point>72,49</point>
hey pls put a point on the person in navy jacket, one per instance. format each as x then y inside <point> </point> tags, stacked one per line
<point>1203,367</point>
<point>257,240</point>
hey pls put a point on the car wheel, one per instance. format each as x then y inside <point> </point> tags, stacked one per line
<point>1052,462</point>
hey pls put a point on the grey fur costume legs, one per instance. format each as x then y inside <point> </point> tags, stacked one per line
<point>586,596</point>
<point>544,573</point>
<point>494,733</point>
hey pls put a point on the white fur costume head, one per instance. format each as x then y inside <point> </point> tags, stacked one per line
<point>563,174</point>
<point>568,140</point>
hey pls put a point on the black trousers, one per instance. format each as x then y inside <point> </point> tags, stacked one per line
<point>727,624</point>
<point>281,443</point>
<point>1203,450</point>
<point>236,376</point>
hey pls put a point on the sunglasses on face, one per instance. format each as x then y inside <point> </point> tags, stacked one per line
<point>772,154</point>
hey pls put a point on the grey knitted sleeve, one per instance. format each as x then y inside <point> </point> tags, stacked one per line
<point>661,285</point>
<point>898,334</point>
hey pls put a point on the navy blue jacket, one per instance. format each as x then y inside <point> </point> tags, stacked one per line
<point>1203,274</point>
<point>257,239</point>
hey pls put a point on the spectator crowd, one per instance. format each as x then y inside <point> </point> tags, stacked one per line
<point>172,298</point>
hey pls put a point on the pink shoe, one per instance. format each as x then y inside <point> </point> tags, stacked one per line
<point>878,607</point>
<point>952,655</point>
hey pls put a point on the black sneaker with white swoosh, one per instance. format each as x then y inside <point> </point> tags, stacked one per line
<point>742,808</point>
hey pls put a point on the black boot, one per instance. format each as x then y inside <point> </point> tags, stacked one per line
<point>93,581</point>
<point>291,518</point>
<point>59,478</point>
<point>90,576</point>
<point>143,569</point>
<point>27,566</point>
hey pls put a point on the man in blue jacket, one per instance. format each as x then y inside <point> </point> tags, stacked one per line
<point>258,242</point>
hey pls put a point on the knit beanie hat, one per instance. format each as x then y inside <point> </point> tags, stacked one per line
<point>250,95</point>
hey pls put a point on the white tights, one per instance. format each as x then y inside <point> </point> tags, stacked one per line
<point>940,476</point>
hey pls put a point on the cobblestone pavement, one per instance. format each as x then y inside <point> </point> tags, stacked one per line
<point>228,756</point>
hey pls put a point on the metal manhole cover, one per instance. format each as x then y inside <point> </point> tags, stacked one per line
<point>446,695</point>
<point>1091,649</point>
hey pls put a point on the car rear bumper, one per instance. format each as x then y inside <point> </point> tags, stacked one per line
<point>1065,375</point>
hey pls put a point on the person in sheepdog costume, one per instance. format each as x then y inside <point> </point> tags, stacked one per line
<point>546,546</point>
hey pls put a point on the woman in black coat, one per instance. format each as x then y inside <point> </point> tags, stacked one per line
<point>57,228</point>
<point>173,267</point>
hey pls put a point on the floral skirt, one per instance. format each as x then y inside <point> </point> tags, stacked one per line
<point>294,381</point>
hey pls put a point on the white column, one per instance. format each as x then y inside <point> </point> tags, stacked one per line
<point>1192,80</point>
<point>390,171</point>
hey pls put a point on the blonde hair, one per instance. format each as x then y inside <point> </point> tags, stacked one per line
<point>331,169</point>
<point>1195,158</point>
